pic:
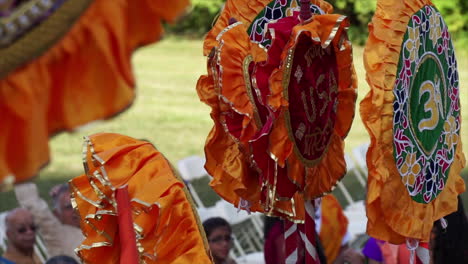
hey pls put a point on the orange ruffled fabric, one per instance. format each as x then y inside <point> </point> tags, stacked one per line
<point>163,214</point>
<point>228,90</point>
<point>86,76</point>
<point>318,179</point>
<point>392,214</point>
<point>333,227</point>
<point>224,89</point>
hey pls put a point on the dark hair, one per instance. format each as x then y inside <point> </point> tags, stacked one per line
<point>56,197</point>
<point>61,260</point>
<point>211,224</point>
<point>450,245</point>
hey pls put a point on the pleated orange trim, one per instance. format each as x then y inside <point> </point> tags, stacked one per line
<point>392,214</point>
<point>314,181</point>
<point>164,217</point>
<point>224,89</point>
<point>86,76</point>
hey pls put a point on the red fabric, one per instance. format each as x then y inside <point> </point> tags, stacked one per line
<point>128,250</point>
<point>274,244</point>
<point>280,32</point>
<point>312,99</point>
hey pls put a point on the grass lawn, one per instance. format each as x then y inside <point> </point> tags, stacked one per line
<point>168,113</point>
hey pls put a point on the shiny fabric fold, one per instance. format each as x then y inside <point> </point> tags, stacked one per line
<point>163,215</point>
<point>64,88</point>
<point>393,213</point>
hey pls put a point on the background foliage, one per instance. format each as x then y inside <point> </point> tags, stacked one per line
<point>199,20</point>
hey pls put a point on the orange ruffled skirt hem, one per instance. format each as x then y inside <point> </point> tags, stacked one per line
<point>85,76</point>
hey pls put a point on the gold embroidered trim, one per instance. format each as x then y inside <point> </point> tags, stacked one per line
<point>42,37</point>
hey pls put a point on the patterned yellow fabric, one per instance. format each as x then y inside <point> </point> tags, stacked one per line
<point>392,213</point>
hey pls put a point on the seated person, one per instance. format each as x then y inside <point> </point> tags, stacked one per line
<point>218,232</point>
<point>59,229</point>
<point>21,235</point>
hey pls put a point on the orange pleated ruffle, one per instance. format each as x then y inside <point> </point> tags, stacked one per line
<point>225,90</point>
<point>164,217</point>
<point>333,227</point>
<point>85,76</point>
<point>392,214</point>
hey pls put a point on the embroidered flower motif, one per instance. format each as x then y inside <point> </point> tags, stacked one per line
<point>413,43</point>
<point>452,69</point>
<point>271,12</point>
<point>401,141</point>
<point>450,129</point>
<point>399,105</point>
<point>435,31</point>
<point>432,175</point>
<point>410,169</point>
<point>405,74</point>
<point>454,102</point>
<point>446,38</point>
<point>424,23</point>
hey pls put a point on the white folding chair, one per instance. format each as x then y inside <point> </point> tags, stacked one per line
<point>359,154</point>
<point>192,168</point>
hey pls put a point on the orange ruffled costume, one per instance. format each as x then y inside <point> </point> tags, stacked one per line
<point>85,76</point>
<point>392,214</point>
<point>164,219</point>
<point>232,90</point>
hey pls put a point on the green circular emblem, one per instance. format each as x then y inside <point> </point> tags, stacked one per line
<point>426,119</point>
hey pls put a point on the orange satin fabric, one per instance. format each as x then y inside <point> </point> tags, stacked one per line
<point>333,228</point>
<point>164,218</point>
<point>233,178</point>
<point>85,76</point>
<point>321,178</point>
<point>392,214</point>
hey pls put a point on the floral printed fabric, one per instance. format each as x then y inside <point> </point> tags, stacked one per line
<point>426,119</point>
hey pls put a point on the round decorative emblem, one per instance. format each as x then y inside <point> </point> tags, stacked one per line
<point>426,119</point>
<point>275,10</point>
<point>311,91</point>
